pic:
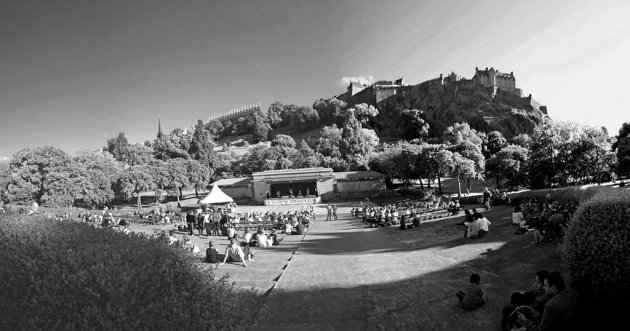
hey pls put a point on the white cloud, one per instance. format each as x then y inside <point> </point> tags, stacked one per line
<point>4,158</point>
<point>345,80</point>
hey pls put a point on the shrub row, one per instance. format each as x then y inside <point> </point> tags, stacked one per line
<point>69,275</point>
<point>596,250</point>
<point>563,195</point>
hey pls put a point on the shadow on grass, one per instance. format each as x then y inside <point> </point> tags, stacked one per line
<point>423,300</point>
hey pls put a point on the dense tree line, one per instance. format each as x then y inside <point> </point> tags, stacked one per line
<point>556,154</point>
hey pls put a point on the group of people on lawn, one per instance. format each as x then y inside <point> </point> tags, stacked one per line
<point>548,305</point>
<point>545,219</point>
<point>404,213</point>
<point>476,224</point>
<point>219,221</point>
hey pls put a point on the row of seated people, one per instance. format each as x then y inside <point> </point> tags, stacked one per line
<point>239,249</point>
<point>219,223</point>
<point>393,214</point>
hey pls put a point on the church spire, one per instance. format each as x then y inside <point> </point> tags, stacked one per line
<point>159,134</point>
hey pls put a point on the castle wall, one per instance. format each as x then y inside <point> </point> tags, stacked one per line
<point>384,92</point>
<point>365,96</point>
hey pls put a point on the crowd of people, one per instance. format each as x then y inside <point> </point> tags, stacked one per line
<point>545,219</point>
<point>219,221</point>
<point>405,214</point>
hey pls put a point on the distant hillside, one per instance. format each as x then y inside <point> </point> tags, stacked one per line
<point>489,101</point>
<point>448,100</point>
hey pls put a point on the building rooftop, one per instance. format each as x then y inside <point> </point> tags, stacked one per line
<point>357,174</point>
<point>233,181</point>
<point>292,171</point>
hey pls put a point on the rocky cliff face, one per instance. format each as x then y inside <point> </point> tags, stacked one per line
<point>484,108</point>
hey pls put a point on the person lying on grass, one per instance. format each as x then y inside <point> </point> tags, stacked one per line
<point>234,253</point>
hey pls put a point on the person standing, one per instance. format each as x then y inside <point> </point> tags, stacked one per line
<point>486,198</point>
<point>329,212</point>
<point>334,211</point>
<point>190,221</point>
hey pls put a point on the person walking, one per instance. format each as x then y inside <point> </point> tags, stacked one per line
<point>329,210</point>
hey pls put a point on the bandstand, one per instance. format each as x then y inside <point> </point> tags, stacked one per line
<point>292,186</point>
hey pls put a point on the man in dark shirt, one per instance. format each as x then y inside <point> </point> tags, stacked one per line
<point>560,312</point>
<point>212,255</point>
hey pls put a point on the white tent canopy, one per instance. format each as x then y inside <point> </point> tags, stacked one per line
<point>216,196</point>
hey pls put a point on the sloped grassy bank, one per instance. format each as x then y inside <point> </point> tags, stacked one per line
<point>70,275</point>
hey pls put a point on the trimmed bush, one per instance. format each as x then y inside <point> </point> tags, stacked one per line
<point>596,253</point>
<point>563,194</point>
<point>70,275</point>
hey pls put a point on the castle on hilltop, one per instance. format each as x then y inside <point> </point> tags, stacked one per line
<point>496,82</point>
<point>497,79</point>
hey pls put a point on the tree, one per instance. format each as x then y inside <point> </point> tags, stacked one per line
<point>259,158</point>
<point>364,112</point>
<point>202,146</point>
<point>33,172</point>
<point>413,125</point>
<point>118,146</point>
<point>178,179</point>
<point>138,154</point>
<point>327,109</point>
<point>523,140</point>
<point>357,144</point>
<point>305,157</point>
<point>304,118</point>
<point>135,180</point>
<point>466,141</point>
<point>495,142</point>
<point>622,149</point>
<point>564,152</point>
<point>216,129</point>
<point>100,170</point>
<point>198,175</point>
<point>165,149</point>
<point>509,163</point>
<point>328,142</point>
<point>274,114</point>
<point>284,147</point>
<point>260,131</point>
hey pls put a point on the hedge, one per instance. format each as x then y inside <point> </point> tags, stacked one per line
<point>581,193</point>
<point>596,253</point>
<point>70,275</point>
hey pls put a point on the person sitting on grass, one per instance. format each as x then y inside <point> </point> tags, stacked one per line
<point>262,240</point>
<point>472,296</point>
<point>212,255</point>
<point>472,228</point>
<point>484,225</point>
<point>517,216</point>
<point>234,253</point>
<point>125,226</point>
<point>189,246</point>
<point>560,312</point>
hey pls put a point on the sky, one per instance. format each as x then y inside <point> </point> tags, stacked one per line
<point>76,73</point>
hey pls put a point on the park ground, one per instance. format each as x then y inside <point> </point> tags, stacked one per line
<point>343,275</point>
